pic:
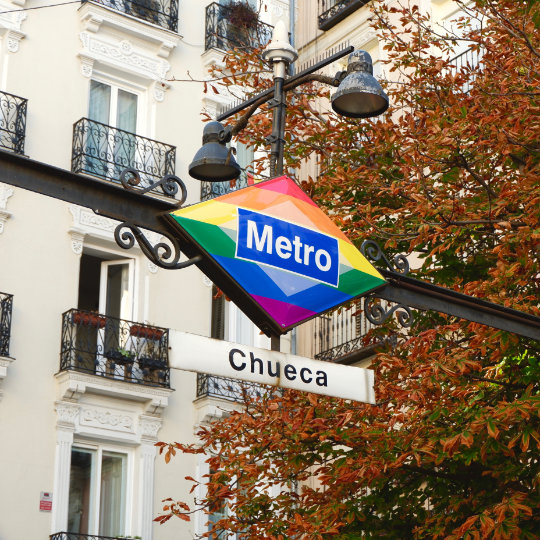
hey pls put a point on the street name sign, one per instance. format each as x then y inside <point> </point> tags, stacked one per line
<point>225,359</point>
<point>275,253</point>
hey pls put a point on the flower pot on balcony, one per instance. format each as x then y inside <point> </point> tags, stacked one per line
<point>151,368</point>
<point>146,332</point>
<point>119,357</point>
<point>85,318</point>
<point>151,363</point>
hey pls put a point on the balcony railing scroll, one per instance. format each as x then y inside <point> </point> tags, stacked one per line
<point>104,151</point>
<point>225,31</point>
<point>339,333</point>
<point>210,190</point>
<point>82,536</point>
<point>226,388</point>
<point>12,122</point>
<point>6,308</point>
<point>333,11</point>
<point>115,348</point>
<point>163,13</point>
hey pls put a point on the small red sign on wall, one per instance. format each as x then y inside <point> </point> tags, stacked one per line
<point>45,501</point>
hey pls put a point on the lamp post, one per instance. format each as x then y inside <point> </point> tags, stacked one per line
<point>359,95</point>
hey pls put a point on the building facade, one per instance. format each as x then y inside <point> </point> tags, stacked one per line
<point>87,328</point>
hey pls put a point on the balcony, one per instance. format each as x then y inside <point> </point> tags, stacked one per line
<point>163,13</point>
<point>6,307</point>
<point>82,536</point>
<point>210,190</point>
<point>12,122</point>
<point>333,11</point>
<point>233,26</point>
<point>104,151</point>
<point>225,388</point>
<point>115,348</point>
<point>468,59</point>
<point>340,335</point>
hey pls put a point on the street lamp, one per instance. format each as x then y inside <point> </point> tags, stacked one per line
<point>359,95</point>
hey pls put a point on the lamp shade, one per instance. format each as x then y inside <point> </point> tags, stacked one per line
<point>359,95</point>
<point>214,162</point>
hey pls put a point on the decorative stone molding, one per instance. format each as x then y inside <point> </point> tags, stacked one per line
<point>4,364</point>
<point>10,29</point>
<point>207,281</point>
<point>72,385</point>
<point>153,268</point>
<point>86,222</point>
<point>5,193</point>
<point>87,66</point>
<point>98,417</point>
<point>66,415</point>
<point>77,240</point>
<point>122,54</point>
<point>97,18</point>
<point>149,427</point>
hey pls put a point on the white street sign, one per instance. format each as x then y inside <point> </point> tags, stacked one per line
<point>225,359</point>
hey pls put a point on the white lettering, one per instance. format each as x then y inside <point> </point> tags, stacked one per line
<point>307,251</point>
<point>253,234</point>
<point>297,247</point>
<point>323,267</point>
<point>283,247</point>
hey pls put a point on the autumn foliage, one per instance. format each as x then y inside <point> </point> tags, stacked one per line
<point>451,173</point>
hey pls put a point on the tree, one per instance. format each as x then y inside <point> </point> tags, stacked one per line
<point>450,173</point>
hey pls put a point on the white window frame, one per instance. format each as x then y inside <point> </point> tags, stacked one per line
<point>99,448</point>
<point>118,83</point>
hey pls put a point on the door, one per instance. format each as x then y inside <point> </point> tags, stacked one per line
<point>109,150</point>
<point>116,302</point>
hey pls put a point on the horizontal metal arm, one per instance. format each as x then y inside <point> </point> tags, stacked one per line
<point>103,197</point>
<point>426,296</point>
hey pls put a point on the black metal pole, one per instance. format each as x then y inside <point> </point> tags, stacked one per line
<point>278,128</point>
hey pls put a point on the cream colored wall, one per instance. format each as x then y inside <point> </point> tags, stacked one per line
<point>40,270</point>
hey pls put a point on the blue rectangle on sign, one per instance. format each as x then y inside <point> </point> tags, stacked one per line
<point>272,241</point>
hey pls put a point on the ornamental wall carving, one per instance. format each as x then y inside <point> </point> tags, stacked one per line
<point>120,54</point>
<point>102,418</point>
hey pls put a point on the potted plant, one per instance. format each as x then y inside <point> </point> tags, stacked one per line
<point>242,15</point>
<point>241,20</point>
<point>146,332</point>
<point>89,318</point>
<point>120,356</point>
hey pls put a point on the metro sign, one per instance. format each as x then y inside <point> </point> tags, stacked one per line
<point>275,253</point>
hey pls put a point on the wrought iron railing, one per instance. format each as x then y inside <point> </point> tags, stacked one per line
<point>6,307</point>
<point>163,13</point>
<point>223,387</point>
<point>115,348</point>
<point>82,536</point>
<point>470,59</point>
<point>338,333</point>
<point>210,190</point>
<point>105,151</point>
<point>224,30</point>
<point>333,11</point>
<point>12,122</point>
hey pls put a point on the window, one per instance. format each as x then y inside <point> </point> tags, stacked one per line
<point>111,141</point>
<point>97,492</point>
<point>113,106</point>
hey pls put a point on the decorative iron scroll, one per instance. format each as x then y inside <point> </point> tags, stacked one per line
<point>162,254</point>
<point>169,184</point>
<point>373,252</point>
<point>377,313</point>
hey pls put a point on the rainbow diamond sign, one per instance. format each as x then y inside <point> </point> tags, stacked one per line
<point>275,253</point>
